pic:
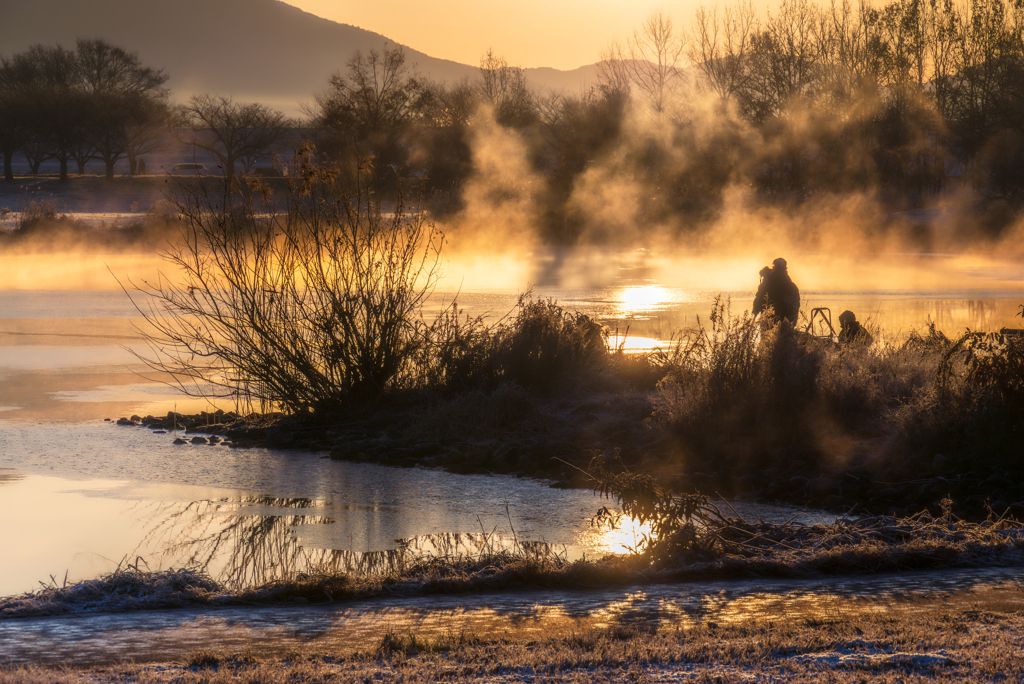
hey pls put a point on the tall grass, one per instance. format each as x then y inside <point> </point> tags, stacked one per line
<point>741,399</point>
<point>973,413</point>
<point>538,344</point>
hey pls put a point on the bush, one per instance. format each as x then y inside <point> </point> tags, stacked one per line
<point>301,305</point>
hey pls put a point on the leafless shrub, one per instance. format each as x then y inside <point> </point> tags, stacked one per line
<point>302,304</point>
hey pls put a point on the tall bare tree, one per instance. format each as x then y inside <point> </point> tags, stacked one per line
<point>231,130</point>
<point>653,58</point>
<point>367,111</point>
<point>504,87</point>
<point>126,96</point>
<point>720,47</point>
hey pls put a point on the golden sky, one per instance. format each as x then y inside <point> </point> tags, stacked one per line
<point>563,34</point>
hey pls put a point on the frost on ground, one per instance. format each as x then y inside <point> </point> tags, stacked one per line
<point>894,646</point>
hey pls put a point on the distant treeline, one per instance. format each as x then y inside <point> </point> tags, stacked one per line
<point>899,100</point>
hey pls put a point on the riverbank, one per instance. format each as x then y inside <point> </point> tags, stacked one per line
<point>706,544</point>
<point>906,643</point>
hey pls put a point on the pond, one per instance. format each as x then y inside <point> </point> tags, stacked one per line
<point>80,496</point>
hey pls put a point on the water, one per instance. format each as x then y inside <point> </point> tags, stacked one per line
<point>79,496</point>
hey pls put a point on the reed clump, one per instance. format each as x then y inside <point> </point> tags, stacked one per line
<point>535,347</point>
<point>127,588</point>
<point>41,215</point>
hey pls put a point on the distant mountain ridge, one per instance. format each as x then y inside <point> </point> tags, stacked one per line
<point>263,50</point>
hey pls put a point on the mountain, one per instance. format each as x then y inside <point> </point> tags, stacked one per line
<point>262,50</point>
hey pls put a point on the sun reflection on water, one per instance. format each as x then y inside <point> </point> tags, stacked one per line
<point>626,536</point>
<point>640,298</point>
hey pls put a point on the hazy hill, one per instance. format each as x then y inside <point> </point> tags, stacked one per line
<point>261,50</point>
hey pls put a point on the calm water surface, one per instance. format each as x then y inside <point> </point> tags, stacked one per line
<point>78,495</point>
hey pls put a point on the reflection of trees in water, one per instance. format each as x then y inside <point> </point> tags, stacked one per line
<point>247,548</point>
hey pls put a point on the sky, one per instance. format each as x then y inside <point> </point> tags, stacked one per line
<point>564,34</point>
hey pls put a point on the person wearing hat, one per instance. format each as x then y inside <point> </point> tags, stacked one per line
<point>851,332</point>
<point>778,292</point>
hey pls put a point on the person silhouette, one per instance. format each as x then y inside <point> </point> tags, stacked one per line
<point>778,292</point>
<point>851,332</point>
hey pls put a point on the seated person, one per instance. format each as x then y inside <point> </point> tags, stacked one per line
<point>852,333</point>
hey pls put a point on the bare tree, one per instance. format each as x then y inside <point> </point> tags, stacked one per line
<point>16,79</point>
<point>720,47</point>
<point>368,109</point>
<point>653,58</point>
<point>613,70</point>
<point>55,104</point>
<point>302,304</point>
<point>127,98</point>
<point>784,62</point>
<point>231,130</point>
<point>444,136</point>
<point>504,87</point>
<point>144,128</point>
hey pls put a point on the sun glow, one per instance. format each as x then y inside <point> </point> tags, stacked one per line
<point>626,537</point>
<point>642,298</point>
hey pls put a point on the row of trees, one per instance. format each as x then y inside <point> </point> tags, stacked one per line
<point>100,102</point>
<point>97,101</point>
<point>913,85</point>
<point>811,98</point>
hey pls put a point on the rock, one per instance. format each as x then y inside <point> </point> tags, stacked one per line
<point>159,432</point>
<point>215,440</point>
<point>124,421</point>
<point>281,439</point>
<point>200,440</point>
<point>179,440</point>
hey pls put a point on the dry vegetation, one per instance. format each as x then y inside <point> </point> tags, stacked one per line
<point>903,644</point>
